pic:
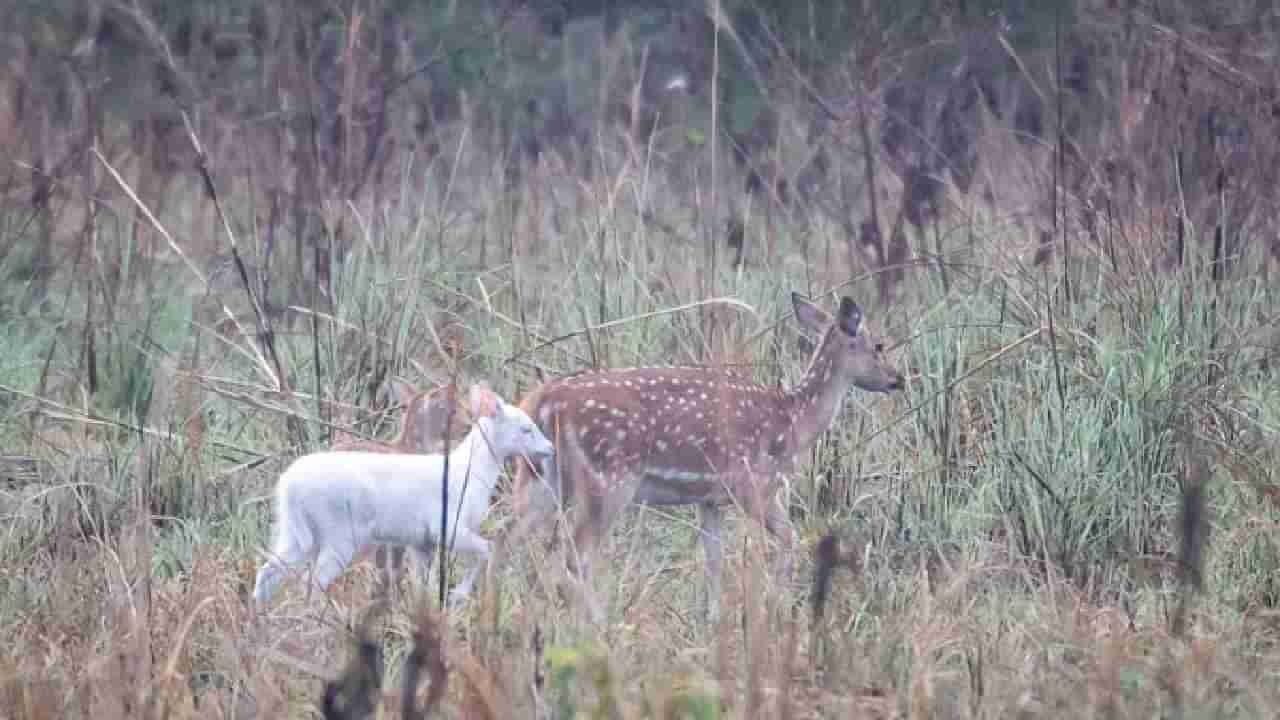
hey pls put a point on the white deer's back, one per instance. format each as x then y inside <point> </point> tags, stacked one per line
<point>383,497</point>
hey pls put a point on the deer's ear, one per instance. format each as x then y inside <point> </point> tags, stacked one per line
<point>811,317</point>
<point>850,316</point>
<point>483,402</point>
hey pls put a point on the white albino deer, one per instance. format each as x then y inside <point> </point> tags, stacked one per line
<point>691,436</point>
<point>427,416</point>
<point>331,505</point>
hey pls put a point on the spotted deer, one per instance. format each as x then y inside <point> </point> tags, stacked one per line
<point>425,420</point>
<point>691,436</point>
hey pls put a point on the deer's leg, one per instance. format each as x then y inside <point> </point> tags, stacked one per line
<point>389,559</point>
<point>713,547</point>
<point>478,548</point>
<point>587,529</point>
<point>778,524</point>
<point>764,503</point>
<point>600,497</point>
<point>426,556</point>
<point>330,562</point>
<point>535,503</point>
<point>287,552</point>
<point>598,504</point>
<point>395,563</point>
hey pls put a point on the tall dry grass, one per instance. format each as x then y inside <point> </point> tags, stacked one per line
<point>1071,511</point>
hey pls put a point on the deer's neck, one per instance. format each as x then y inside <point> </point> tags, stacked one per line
<point>474,461</point>
<point>816,400</point>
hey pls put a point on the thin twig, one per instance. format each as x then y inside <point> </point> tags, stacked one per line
<point>634,318</point>
<point>195,270</point>
<point>86,417</point>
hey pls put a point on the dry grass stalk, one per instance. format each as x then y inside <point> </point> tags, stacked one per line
<point>24,695</point>
<point>486,696</point>
<point>786,668</point>
<point>538,681</point>
<point>260,360</point>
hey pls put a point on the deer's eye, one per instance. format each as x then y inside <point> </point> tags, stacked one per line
<point>879,347</point>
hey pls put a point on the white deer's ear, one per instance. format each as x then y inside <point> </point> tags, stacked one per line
<point>811,317</point>
<point>483,402</point>
<point>850,316</point>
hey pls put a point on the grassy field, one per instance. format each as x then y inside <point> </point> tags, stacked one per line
<point>1070,510</point>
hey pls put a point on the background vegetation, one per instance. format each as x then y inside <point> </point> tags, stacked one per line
<point>223,227</point>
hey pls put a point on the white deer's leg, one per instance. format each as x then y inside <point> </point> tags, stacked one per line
<point>478,548</point>
<point>287,552</point>
<point>395,560</point>
<point>268,577</point>
<point>331,561</point>
<point>713,547</point>
<point>386,560</point>
<point>425,555</point>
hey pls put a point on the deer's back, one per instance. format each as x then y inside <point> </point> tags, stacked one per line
<point>674,425</point>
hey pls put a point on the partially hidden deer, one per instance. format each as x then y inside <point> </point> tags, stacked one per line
<point>331,505</point>
<point>426,418</point>
<point>702,436</point>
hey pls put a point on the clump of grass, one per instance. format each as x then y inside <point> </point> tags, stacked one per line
<point>581,680</point>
